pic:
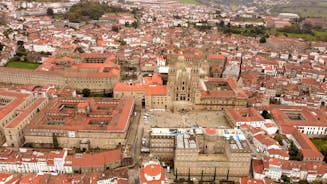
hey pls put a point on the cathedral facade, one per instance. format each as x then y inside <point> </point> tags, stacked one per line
<point>189,86</point>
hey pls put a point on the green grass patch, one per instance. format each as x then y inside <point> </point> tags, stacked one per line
<point>316,36</point>
<point>319,143</point>
<point>119,13</point>
<point>233,7</point>
<point>188,1</point>
<point>24,65</point>
<point>308,37</point>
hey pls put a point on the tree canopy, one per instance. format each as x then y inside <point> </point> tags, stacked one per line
<point>50,12</point>
<point>294,153</point>
<point>86,92</point>
<point>85,10</point>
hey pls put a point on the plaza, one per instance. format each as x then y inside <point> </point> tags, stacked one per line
<point>167,119</point>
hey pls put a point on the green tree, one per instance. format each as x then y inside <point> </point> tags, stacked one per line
<point>279,139</point>
<point>294,153</point>
<point>262,40</point>
<point>86,92</point>
<point>55,141</point>
<point>315,182</point>
<point>1,46</point>
<point>221,23</point>
<point>323,150</point>
<point>3,20</point>
<point>264,114</point>
<point>50,12</point>
<point>135,24</point>
<point>303,181</point>
<point>86,10</point>
<point>285,179</point>
<point>115,28</point>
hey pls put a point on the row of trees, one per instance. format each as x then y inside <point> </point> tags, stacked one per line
<point>296,28</point>
<point>248,30</point>
<point>305,28</point>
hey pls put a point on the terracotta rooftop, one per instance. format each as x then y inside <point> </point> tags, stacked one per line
<point>96,159</point>
<point>210,131</point>
<point>103,114</point>
<point>258,166</point>
<point>280,152</point>
<point>243,114</point>
<point>306,116</point>
<point>15,99</point>
<point>265,140</point>
<point>25,112</point>
<point>230,91</point>
<point>288,165</point>
<point>149,88</point>
<point>308,149</point>
<point>152,174</point>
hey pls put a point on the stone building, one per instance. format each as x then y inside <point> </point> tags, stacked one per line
<point>83,123</point>
<point>17,109</point>
<point>10,102</point>
<point>162,144</point>
<point>203,153</point>
<point>14,129</point>
<point>150,94</point>
<point>182,86</point>
<point>189,86</point>
<point>97,72</point>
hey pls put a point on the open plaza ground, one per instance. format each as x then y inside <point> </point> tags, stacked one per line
<point>167,119</point>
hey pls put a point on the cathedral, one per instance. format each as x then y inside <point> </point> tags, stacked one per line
<point>190,86</point>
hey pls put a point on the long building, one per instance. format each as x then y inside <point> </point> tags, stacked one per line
<point>81,123</point>
<point>97,72</point>
<point>312,122</point>
<point>58,161</point>
<point>17,110</point>
<point>274,168</point>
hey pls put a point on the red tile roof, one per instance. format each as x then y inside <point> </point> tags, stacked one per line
<point>310,119</point>
<point>96,159</point>
<point>266,140</point>
<point>216,56</point>
<point>236,115</point>
<point>116,111</point>
<point>308,149</point>
<point>25,112</point>
<point>288,165</point>
<point>210,131</point>
<point>17,99</point>
<point>280,152</point>
<point>258,166</point>
<point>151,89</point>
<point>275,162</point>
<point>152,174</point>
